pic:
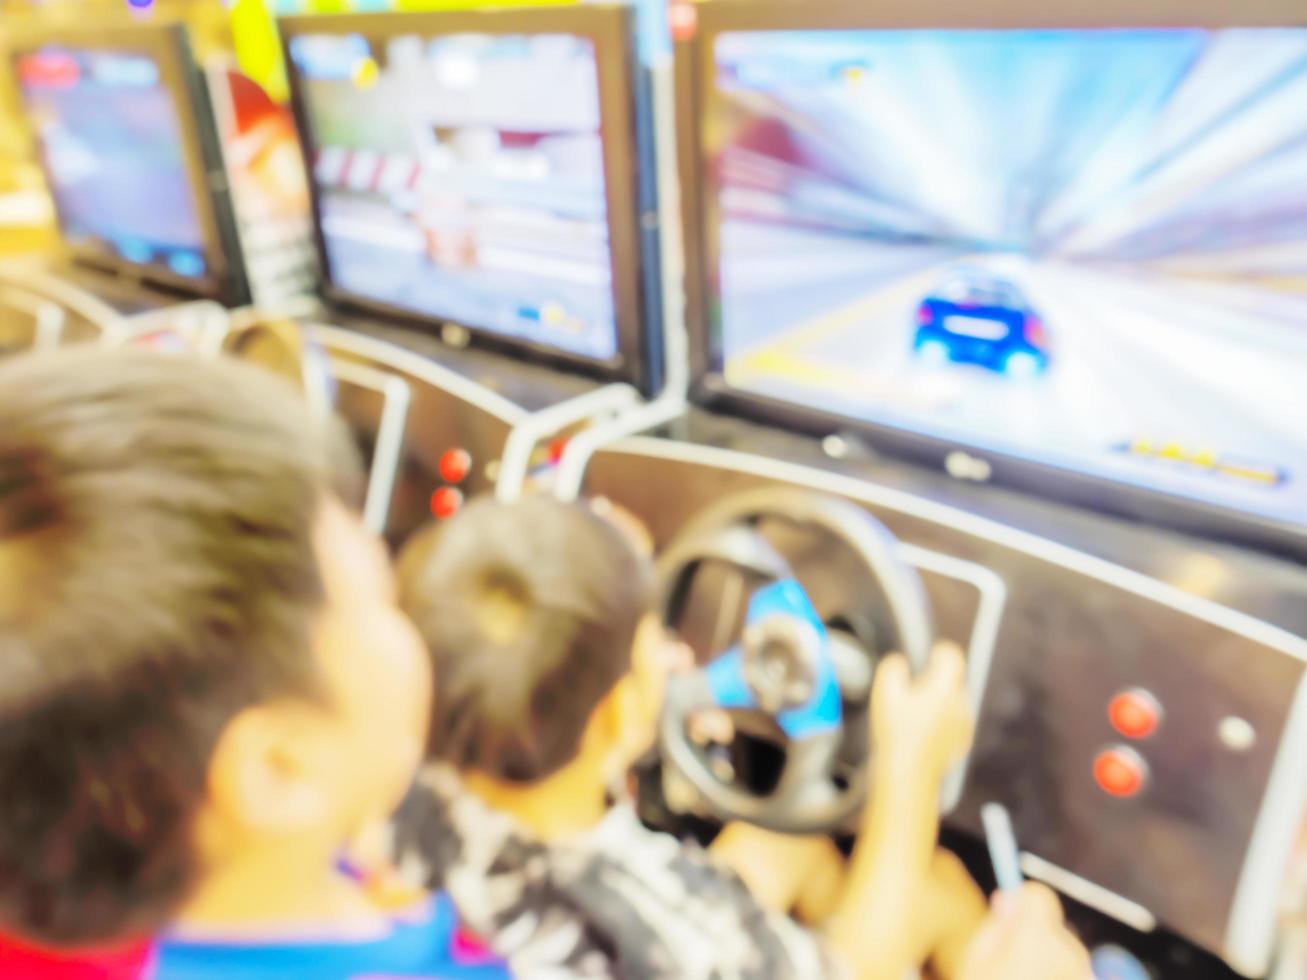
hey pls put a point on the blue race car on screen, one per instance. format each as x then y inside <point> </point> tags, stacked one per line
<point>977,318</point>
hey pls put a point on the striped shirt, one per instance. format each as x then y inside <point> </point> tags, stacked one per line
<point>618,901</point>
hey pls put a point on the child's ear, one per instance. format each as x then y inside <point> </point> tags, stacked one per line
<point>265,773</point>
<point>622,723</point>
<point>614,717</point>
<point>605,727</point>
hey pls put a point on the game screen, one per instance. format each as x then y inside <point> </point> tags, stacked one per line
<point>111,141</point>
<point>462,177</point>
<point>1086,248</point>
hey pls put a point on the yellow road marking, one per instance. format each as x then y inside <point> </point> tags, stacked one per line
<point>1268,477</point>
<point>789,367</point>
<point>825,325</point>
<point>1206,459</point>
<point>782,358</point>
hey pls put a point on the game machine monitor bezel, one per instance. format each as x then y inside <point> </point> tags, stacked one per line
<point>609,29</point>
<point>699,25</point>
<point>167,47</point>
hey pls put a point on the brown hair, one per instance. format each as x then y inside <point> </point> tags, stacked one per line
<point>529,611</point>
<point>157,575</point>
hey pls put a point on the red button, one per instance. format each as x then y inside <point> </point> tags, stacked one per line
<point>1134,713</point>
<point>1120,771</point>
<point>684,21</point>
<point>455,464</point>
<point>446,501</point>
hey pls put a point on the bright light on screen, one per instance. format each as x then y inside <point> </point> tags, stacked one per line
<point>111,141</point>
<point>1088,248</point>
<point>462,177</point>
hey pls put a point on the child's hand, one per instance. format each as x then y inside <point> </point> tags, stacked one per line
<point>921,725</point>
<point>1026,938</point>
<point>784,873</point>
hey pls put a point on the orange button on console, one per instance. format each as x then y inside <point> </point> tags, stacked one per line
<point>1120,771</point>
<point>446,502</point>
<point>684,21</point>
<point>1135,713</point>
<point>455,464</point>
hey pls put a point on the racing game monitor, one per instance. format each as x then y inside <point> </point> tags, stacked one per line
<point>117,116</point>
<point>478,168</point>
<point>1077,254</point>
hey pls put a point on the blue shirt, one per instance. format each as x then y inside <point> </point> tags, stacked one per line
<point>418,946</point>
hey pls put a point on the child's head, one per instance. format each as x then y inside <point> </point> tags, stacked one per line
<point>537,617</point>
<point>200,654</point>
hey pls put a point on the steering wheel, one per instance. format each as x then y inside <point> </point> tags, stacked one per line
<point>804,678</point>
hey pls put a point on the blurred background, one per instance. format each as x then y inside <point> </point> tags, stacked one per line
<point>223,33</point>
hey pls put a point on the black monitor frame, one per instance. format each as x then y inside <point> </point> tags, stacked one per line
<point>695,68</point>
<point>611,29</point>
<point>168,46</point>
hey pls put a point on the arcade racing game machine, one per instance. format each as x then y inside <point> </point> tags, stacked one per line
<point>481,223</point>
<point>170,186</point>
<point>1000,326</point>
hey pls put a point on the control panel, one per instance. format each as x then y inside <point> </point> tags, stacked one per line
<point>430,437</point>
<point>1145,737</point>
<point>438,426</point>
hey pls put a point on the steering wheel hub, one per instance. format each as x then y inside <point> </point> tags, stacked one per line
<point>782,657</point>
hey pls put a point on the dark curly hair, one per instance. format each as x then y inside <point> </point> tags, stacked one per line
<point>529,611</point>
<point>157,575</point>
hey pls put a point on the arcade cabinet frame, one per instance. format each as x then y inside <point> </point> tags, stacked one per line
<point>704,22</point>
<point>610,29</point>
<point>167,46</point>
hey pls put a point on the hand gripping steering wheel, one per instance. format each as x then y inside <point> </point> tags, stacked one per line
<point>788,665</point>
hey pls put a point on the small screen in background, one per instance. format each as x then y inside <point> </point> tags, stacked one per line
<point>111,141</point>
<point>461,177</point>
<point>1087,248</point>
